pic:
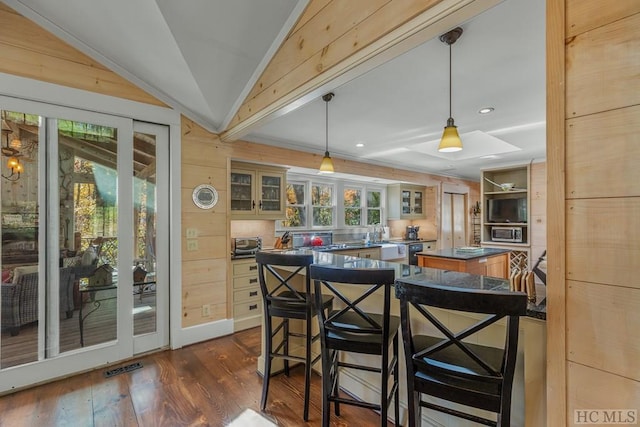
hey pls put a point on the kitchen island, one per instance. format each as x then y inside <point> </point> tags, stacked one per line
<point>529,395</point>
<point>482,261</point>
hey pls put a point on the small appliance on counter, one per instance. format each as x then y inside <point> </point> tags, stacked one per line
<point>245,247</point>
<point>412,232</point>
<point>307,239</point>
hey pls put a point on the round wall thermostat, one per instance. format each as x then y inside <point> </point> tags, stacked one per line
<point>205,196</point>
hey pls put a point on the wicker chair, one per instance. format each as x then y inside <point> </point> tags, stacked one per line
<point>20,300</point>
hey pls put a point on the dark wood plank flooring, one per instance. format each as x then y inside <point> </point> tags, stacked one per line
<point>205,384</point>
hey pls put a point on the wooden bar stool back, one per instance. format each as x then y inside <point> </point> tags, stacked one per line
<point>282,299</point>
<point>446,367</point>
<point>355,327</point>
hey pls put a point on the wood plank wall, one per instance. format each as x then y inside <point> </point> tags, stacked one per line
<point>28,50</point>
<point>594,206</point>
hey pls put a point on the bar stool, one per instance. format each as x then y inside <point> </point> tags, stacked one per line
<point>355,330</point>
<point>449,368</point>
<point>281,299</point>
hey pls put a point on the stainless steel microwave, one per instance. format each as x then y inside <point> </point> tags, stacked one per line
<point>245,247</point>
<point>507,234</point>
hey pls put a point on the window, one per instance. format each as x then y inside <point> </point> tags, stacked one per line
<point>296,214</point>
<point>335,204</point>
<point>374,207</point>
<point>322,204</point>
<point>352,206</point>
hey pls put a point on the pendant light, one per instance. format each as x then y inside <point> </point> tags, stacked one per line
<point>450,141</point>
<point>326,166</point>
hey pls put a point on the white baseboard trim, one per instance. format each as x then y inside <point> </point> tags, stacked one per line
<point>206,331</point>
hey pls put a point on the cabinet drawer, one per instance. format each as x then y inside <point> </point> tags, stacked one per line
<point>244,268</point>
<point>243,282</point>
<point>249,294</point>
<point>249,308</point>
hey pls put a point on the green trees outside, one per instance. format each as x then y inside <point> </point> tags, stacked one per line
<point>322,202</point>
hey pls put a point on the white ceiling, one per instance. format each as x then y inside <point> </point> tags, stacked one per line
<point>203,56</point>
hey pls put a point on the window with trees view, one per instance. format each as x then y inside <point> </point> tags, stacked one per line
<point>322,204</point>
<point>374,207</point>
<point>352,206</point>
<point>296,209</point>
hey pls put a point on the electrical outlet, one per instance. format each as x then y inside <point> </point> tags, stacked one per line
<point>192,233</point>
<point>206,310</point>
<point>192,245</point>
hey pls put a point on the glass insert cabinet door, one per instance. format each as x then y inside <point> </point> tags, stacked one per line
<point>406,202</point>
<point>418,202</point>
<point>270,190</point>
<point>242,191</point>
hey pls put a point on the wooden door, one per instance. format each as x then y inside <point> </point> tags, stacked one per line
<point>454,225</point>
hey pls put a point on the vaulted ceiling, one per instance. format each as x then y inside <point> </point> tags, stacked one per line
<point>203,57</point>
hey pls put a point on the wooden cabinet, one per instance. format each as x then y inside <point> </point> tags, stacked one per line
<point>247,299</point>
<point>257,191</point>
<point>505,207</point>
<point>495,265</point>
<point>406,201</point>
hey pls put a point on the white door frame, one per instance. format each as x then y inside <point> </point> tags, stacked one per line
<point>24,94</point>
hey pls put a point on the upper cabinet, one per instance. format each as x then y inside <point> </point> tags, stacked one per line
<point>407,201</point>
<point>505,206</point>
<point>257,191</point>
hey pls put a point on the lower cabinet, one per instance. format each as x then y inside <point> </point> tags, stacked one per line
<point>495,266</point>
<point>247,300</point>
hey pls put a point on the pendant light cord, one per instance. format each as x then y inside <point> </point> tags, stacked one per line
<point>450,80</point>
<point>326,126</point>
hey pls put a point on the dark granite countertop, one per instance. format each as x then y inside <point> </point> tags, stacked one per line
<point>465,255</point>
<point>416,275</point>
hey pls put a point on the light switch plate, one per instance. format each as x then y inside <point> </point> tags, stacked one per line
<point>192,233</point>
<point>192,245</point>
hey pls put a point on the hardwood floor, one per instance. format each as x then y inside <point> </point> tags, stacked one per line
<point>205,384</point>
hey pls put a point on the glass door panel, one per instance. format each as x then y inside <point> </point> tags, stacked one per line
<point>242,184</point>
<point>151,225</point>
<point>418,198</point>
<point>270,186</point>
<point>22,260</point>
<point>88,238</point>
<point>406,202</point>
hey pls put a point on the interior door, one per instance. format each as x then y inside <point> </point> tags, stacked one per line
<point>458,224</point>
<point>446,222</point>
<point>454,226</point>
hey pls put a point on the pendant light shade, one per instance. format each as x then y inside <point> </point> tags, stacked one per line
<point>326,166</point>
<point>450,141</point>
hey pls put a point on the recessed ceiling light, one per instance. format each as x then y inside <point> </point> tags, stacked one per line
<point>490,156</point>
<point>359,145</point>
<point>486,110</point>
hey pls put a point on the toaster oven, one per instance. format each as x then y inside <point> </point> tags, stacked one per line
<point>245,247</point>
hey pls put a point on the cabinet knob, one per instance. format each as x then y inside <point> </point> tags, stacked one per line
<point>253,293</point>
<point>253,307</point>
<point>253,267</point>
<point>253,280</point>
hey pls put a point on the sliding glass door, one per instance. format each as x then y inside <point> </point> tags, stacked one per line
<point>76,287</point>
